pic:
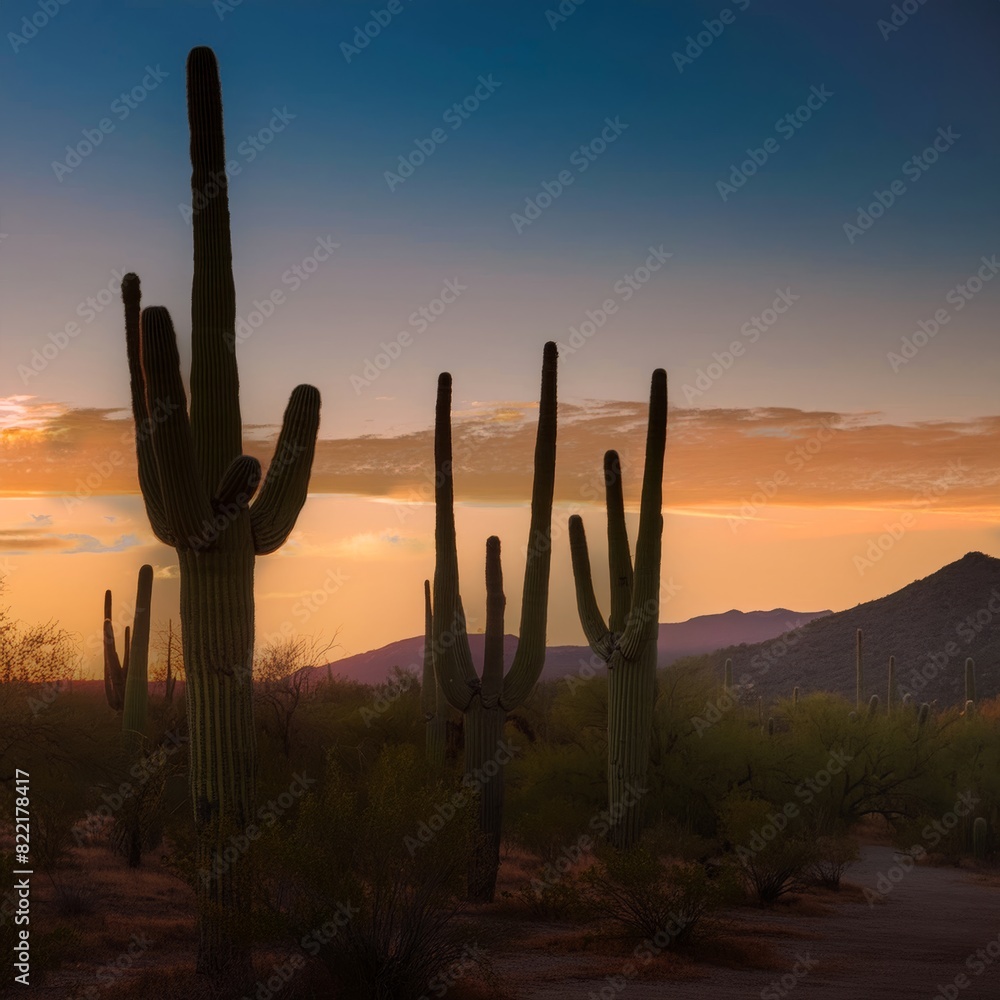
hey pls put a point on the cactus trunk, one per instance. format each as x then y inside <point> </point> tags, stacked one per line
<point>859,670</point>
<point>483,750</point>
<point>432,700</point>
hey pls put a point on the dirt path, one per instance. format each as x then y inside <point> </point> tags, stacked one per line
<point>905,948</point>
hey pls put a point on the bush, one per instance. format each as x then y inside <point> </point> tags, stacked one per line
<point>372,900</point>
<point>771,859</point>
<point>638,891</point>
<point>834,855</point>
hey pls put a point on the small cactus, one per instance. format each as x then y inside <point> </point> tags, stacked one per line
<point>852,716</point>
<point>924,714</point>
<point>873,704</point>
<point>770,726</point>
<point>970,709</point>
<point>859,669</point>
<point>891,694</point>
<point>907,700</point>
<point>729,676</point>
<point>979,836</point>
<point>795,695</point>
<point>970,680</point>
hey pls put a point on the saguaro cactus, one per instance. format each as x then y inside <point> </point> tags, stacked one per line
<point>197,487</point>
<point>433,703</point>
<point>486,701</point>
<point>728,682</point>
<point>859,669</point>
<point>125,679</point>
<point>891,693</point>
<point>980,833</point>
<point>627,643</point>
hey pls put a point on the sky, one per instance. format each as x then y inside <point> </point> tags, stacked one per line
<point>789,207</point>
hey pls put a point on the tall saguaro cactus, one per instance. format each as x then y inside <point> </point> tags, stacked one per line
<point>433,703</point>
<point>627,643</point>
<point>859,669</point>
<point>485,701</point>
<point>197,487</point>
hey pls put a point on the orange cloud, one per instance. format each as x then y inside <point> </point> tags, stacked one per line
<point>717,459</point>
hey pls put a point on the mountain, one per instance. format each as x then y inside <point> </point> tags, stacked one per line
<point>930,626</point>
<point>676,639</point>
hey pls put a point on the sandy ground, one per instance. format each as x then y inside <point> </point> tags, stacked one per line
<point>917,940</point>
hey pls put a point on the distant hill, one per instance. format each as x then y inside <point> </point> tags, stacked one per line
<point>676,639</point>
<point>930,626</point>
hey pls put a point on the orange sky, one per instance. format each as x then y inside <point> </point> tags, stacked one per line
<point>766,507</point>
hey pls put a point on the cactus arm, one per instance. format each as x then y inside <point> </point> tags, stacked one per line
<point>136,683</point>
<point>238,485</point>
<point>493,679</point>
<point>149,481</point>
<point>452,656</point>
<point>643,623</point>
<point>529,658</point>
<point>276,509</point>
<point>215,407</point>
<point>185,500</point>
<point>114,679</point>
<point>619,556</point>
<point>597,633</point>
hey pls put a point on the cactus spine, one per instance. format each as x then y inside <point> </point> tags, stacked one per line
<point>859,670</point>
<point>890,698</point>
<point>486,701</point>
<point>970,680</point>
<point>627,643</point>
<point>433,703</point>
<point>197,487</point>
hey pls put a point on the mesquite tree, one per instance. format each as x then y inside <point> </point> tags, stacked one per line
<point>198,486</point>
<point>627,640</point>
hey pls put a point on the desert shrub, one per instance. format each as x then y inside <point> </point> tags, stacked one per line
<point>648,897</point>
<point>548,898</point>
<point>371,899</point>
<point>74,900</point>
<point>771,854</point>
<point>833,856</point>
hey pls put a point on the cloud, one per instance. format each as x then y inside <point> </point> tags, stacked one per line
<point>41,520</point>
<point>717,458</point>
<point>88,543</point>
